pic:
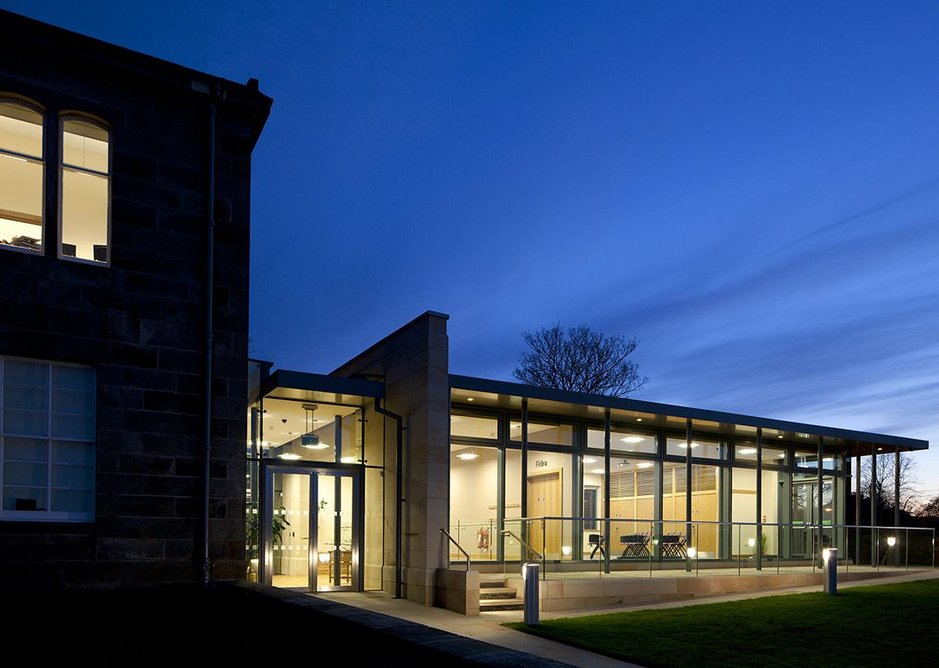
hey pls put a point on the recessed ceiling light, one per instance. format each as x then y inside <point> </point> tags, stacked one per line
<point>780,436</point>
<point>632,439</point>
<point>638,419</point>
<point>469,398</point>
<point>289,455</point>
<point>598,471</point>
<point>466,456</point>
<point>317,446</point>
<point>685,445</point>
<point>645,465</point>
<point>747,451</point>
<point>590,460</point>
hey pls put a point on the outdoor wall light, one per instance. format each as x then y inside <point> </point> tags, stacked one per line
<point>891,541</point>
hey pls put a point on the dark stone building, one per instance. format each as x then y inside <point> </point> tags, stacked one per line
<point>124,248</point>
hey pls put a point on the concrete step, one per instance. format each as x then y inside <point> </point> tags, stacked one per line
<point>492,593</point>
<point>486,584</point>
<point>492,605</point>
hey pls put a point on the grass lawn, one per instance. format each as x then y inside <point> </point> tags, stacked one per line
<point>878,625</point>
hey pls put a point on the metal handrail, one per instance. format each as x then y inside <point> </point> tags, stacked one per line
<point>458,546</point>
<point>530,548</point>
<point>928,532</point>
<point>544,574</point>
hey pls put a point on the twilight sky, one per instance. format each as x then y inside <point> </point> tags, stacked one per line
<point>750,188</point>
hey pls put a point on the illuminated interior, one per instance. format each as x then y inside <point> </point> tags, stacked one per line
<point>85,191</point>
<point>21,176</point>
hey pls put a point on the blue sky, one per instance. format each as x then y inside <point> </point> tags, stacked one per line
<point>749,188</point>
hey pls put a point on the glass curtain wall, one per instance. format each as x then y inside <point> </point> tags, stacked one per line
<point>648,491</point>
<point>475,471</point>
<point>281,430</point>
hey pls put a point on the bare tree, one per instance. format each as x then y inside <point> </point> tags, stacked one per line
<point>884,482</point>
<point>929,509</point>
<point>580,360</point>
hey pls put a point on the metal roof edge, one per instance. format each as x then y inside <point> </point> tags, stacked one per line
<point>603,401</point>
<point>316,382</point>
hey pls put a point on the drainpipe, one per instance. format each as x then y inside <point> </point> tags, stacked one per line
<point>399,481</point>
<point>209,338</point>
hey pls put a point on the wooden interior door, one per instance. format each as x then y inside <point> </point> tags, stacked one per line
<point>544,500</point>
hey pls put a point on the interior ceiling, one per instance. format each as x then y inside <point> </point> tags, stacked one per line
<point>285,421</point>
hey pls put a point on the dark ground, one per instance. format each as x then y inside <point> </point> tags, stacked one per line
<point>225,624</point>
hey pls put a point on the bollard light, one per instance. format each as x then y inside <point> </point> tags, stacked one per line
<point>830,570</point>
<point>891,541</point>
<point>692,552</point>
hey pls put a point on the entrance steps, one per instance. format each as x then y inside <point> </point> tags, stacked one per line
<point>569,592</point>
<point>495,594</point>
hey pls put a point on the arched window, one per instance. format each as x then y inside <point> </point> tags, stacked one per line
<point>84,225</point>
<point>21,176</point>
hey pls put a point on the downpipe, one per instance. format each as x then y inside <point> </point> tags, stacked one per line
<point>399,480</point>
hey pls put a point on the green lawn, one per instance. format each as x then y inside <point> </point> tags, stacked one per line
<point>878,625</point>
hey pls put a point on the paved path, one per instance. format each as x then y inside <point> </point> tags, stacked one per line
<point>485,641</point>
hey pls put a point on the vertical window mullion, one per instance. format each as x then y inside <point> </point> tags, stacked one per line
<point>49,437</point>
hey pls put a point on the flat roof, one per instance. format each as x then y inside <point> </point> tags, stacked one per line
<point>315,387</point>
<point>508,395</point>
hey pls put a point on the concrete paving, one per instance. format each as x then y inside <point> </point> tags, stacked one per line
<point>483,640</point>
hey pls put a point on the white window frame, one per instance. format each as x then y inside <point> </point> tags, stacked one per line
<point>46,515</point>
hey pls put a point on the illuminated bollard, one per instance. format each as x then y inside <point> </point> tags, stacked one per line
<point>830,574</point>
<point>530,578</point>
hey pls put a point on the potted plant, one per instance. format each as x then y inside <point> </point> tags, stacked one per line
<point>253,537</point>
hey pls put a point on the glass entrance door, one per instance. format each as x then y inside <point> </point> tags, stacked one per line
<point>310,528</point>
<point>809,534</point>
<point>335,546</point>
